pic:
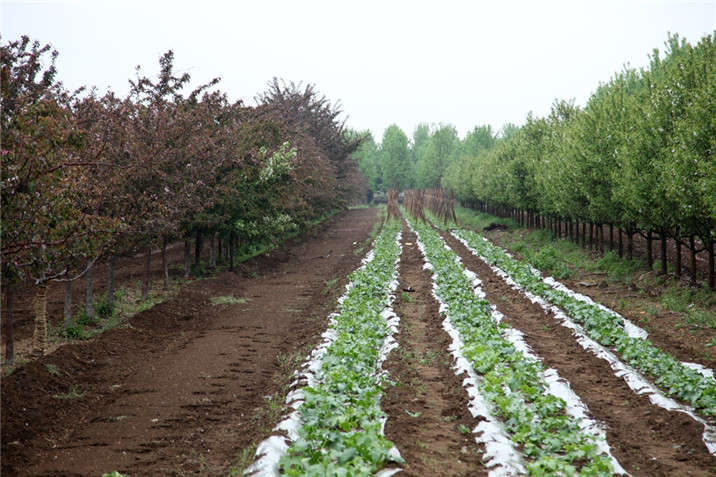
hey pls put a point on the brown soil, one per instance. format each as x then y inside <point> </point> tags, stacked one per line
<point>428,407</point>
<point>188,387</point>
<point>646,439</point>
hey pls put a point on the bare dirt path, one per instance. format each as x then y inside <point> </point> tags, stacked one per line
<point>428,417</point>
<point>189,386</point>
<point>646,439</point>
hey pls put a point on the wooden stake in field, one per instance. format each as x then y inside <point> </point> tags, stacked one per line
<point>414,202</point>
<point>441,204</point>
<point>393,209</point>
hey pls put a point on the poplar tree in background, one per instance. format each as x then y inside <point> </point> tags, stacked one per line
<point>369,163</point>
<point>395,158</point>
<point>442,150</point>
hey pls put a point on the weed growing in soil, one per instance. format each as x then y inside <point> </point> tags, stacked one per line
<point>103,307</point>
<point>73,393</point>
<point>227,300</point>
<point>329,285</point>
<point>243,460</point>
<point>52,369</point>
<point>463,429</point>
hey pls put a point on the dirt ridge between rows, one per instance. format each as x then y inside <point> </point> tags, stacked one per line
<point>646,439</point>
<point>428,407</point>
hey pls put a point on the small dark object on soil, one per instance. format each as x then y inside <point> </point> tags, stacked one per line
<point>494,226</point>
<point>409,289</point>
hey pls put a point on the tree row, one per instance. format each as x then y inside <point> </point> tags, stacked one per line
<point>639,157</point>
<point>88,176</point>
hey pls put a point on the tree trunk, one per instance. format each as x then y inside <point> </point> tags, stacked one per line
<point>147,274</point>
<point>111,264</point>
<point>712,278</point>
<point>68,304</point>
<point>9,333</point>
<point>678,253</point>
<point>212,252</point>
<point>219,250</point>
<point>649,250</point>
<point>187,258</point>
<point>601,238</point>
<point>621,243</point>
<point>611,236</point>
<point>89,292</point>
<point>231,250</point>
<point>630,245</point>
<point>692,247</point>
<point>576,231</point>
<point>197,250</point>
<point>663,253</point>
<point>165,265</point>
<point>39,335</point>
<point>584,234</point>
<point>591,236</point>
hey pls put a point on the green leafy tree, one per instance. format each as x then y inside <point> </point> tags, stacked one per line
<point>395,158</point>
<point>477,140</point>
<point>442,150</point>
<point>419,149</point>
<point>368,157</point>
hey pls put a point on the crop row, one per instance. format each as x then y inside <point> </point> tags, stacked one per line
<point>607,328</point>
<point>551,440</point>
<point>337,428</point>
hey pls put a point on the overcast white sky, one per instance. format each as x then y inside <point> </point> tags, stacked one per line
<point>461,62</point>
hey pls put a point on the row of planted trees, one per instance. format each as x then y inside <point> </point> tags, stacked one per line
<point>88,177</point>
<point>639,158</point>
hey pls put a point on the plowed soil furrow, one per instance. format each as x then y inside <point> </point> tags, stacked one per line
<point>646,439</point>
<point>428,417</point>
<point>190,385</point>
